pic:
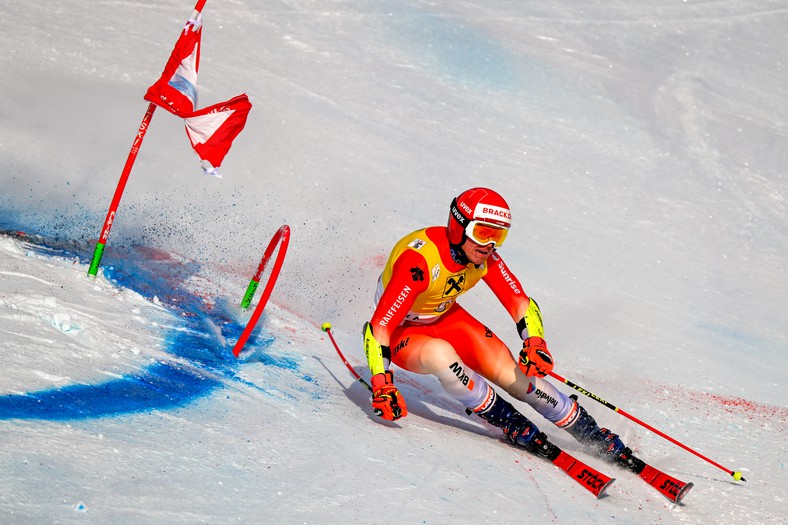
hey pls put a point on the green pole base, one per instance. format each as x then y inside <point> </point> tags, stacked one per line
<point>94,264</point>
<point>250,290</point>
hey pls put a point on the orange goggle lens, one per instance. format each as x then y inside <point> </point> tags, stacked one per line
<point>484,233</point>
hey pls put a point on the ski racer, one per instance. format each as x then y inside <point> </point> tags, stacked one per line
<point>419,326</point>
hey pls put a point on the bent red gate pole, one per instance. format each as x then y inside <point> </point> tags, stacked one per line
<point>98,252</point>
<point>281,239</point>
<point>736,475</point>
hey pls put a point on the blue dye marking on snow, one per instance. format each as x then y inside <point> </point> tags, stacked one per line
<point>208,362</point>
<point>732,340</point>
<point>160,386</point>
<point>730,333</point>
<point>464,54</point>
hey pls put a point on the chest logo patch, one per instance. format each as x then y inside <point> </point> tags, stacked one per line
<point>455,284</point>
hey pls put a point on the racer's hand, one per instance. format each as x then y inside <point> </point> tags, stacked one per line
<point>387,402</point>
<point>535,358</point>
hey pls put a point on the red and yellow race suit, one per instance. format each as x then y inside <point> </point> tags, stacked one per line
<point>421,282</point>
<point>417,316</point>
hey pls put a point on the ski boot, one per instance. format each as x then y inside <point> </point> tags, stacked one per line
<point>601,440</point>
<point>517,428</point>
<point>626,459</point>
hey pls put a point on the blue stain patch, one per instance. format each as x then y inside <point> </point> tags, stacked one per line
<point>455,50</point>
<point>204,363</point>
<point>734,334</point>
<point>160,386</point>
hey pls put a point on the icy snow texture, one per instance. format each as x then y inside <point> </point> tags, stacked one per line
<point>642,146</point>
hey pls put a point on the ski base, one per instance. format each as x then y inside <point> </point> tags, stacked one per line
<point>670,487</point>
<point>589,477</point>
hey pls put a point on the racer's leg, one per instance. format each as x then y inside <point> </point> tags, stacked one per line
<point>418,352</point>
<point>424,354</point>
<point>484,352</point>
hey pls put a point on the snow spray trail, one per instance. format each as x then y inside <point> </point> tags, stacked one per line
<point>201,361</point>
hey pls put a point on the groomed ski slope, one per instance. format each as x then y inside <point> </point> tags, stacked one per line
<point>642,149</point>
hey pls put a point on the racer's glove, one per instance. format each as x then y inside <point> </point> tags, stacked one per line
<point>535,358</point>
<point>387,402</point>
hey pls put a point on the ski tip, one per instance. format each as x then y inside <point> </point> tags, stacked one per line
<point>604,488</point>
<point>683,492</point>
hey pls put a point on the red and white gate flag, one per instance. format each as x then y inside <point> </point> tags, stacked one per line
<point>212,130</point>
<point>176,90</point>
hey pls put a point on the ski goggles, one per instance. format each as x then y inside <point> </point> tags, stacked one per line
<point>485,233</point>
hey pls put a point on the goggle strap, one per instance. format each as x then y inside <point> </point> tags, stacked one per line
<point>458,216</point>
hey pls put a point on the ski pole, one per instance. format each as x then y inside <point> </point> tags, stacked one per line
<point>735,474</point>
<point>326,327</point>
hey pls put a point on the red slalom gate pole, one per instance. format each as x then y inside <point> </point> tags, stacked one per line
<point>124,177</point>
<point>283,235</point>
<point>281,239</point>
<point>735,474</point>
<point>98,252</point>
<point>326,327</point>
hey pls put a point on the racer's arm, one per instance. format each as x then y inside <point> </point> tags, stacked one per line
<point>409,278</point>
<point>507,288</point>
<point>535,358</point>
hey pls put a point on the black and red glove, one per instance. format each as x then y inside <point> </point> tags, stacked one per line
<point>535,358</point>
<point>387,402</point>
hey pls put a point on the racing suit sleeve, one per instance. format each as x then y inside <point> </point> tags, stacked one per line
<point>509,291</point>
<point>409,278</point>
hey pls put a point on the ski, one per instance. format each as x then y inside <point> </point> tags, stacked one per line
<point>589,477</point>
<point>670,487</point>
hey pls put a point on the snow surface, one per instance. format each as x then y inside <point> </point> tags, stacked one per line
<point>642,146</point>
